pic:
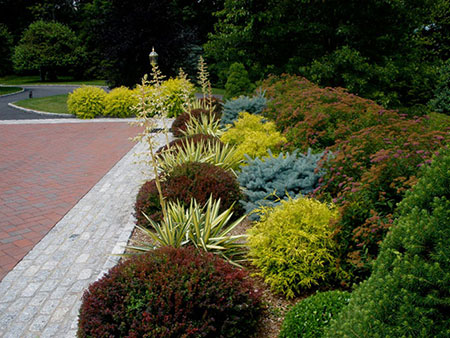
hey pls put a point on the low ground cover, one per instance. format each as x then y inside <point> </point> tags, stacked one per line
<point>9,90</point>
<point>51,104</point>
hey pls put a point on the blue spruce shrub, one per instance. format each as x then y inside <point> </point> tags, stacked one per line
<point>268,180</point>
<point>232,108</point>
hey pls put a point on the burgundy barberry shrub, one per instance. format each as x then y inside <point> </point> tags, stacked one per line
<point>197,138</point>
<point>179,125</point>
<point>171,293</point>
<point>190,180</point>
<point>368,174</point>
<point>314,117</point>
<point>216,102</point>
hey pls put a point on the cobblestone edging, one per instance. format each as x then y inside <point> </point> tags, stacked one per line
<point>41,296</point>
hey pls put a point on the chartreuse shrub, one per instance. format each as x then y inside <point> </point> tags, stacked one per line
<point>368,175</point>
<point>310,316</point>
<point>408,292</point>
<point>87,102</point>
<point>268,180</point>
<point>186,181</point>
<point>238,82</point>
<point>314,117</point>
<point>253,136</point>
<point>232,108</point>
<point>177,93</point>
<point>292,245</point>
<point>180,123</point>
<point>171,293</point>
<point>119,102</point>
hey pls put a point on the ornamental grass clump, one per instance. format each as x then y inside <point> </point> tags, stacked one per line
<point>408,292</point>
<point>253,136</point>
<point>292,245</point>
<point>309,317</point>
<point>171,292</point>
<point>87,102</point>
<point>178,143</point>
<point>268,180</point>
<point>180,123</point>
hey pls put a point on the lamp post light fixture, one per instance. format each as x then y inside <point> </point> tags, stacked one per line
<point>153,56</point>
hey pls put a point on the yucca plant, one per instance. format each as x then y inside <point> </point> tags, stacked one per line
<point>222,155</point>
<point>203,104</point>
<point>203,125</point>
<point>203,227</point>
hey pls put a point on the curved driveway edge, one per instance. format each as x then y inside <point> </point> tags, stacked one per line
<point>11,104</point>
<point>41,296</point>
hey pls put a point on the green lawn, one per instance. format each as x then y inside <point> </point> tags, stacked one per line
<point>50,104</point>
<point>9,90</point>
<point>35,80</point>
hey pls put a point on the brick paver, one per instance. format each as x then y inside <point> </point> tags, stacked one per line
<point>44,171</point>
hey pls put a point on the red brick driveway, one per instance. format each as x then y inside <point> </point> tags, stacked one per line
<point>45,169</point>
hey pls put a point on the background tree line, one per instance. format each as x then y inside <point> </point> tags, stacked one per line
<point>392,51</point>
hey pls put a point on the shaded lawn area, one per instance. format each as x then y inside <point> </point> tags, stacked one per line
<point>35,80</point>
<point>52,104</point>
<point>9,90</point>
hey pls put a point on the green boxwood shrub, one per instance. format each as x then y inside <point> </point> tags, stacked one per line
<point>171,293</point>
<point>87,102</point>
<point>232,108</point>
<point>408,293</point>
<point>238,82</point>
<point>270,179</point>
<point>119,102</point>
<point>190,180</point>
<point>292,245</point>
<point>309,317</point>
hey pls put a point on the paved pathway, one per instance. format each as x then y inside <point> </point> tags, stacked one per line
<point>9,113</point>
<point>40,297</point>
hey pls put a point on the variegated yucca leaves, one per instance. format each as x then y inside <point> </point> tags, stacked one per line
<point>203,104</point>
<point>222,155</point>
<point>203,125</point>
<point>203,227</point>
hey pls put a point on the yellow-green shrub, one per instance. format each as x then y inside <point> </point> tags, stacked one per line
<point>87,102</point>
<point>119,102</point>
<point>253,136</point>
<point>178,93</point>
<point>292,245</point>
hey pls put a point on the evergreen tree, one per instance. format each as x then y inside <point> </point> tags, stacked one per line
<point>238,82</point>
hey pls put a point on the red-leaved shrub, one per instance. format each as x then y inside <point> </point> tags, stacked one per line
<point>314,117</point>
<point>171,293</point>
<point>179,125</point>
<point>190,180</point>
<point>368,174</point>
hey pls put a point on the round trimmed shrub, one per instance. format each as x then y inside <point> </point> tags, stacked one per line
<point>309,317</point>
<point>87,102</point>
<point>119,102</point>
<point>197,138</point>
<point>293,247</point>
<point>171,293</point>
<point>179,125</point>
<point>190,180</point>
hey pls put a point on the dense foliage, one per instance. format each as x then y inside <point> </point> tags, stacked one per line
<point>315,117</point>
<point>232,108</point>
<point>119,102</point>
<point>187,181</point>
<point>87,102</point>
<point>197,139</point>
<point>441,100</point>
<point>369,174</point>
<point>179,125</point>
<point>408,292</point>
<point>380,49</point>
<point>292,245</point>
<point>268,180</point>
<point>238,82</point>
<point>309,317</point>
<point>176,92</point>
<point>253,136</point>
<point>47,47</point>
<point>6,44</point>
<point>172,293</point>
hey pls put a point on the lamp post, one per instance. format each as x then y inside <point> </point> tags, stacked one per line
<point>153,56</point>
